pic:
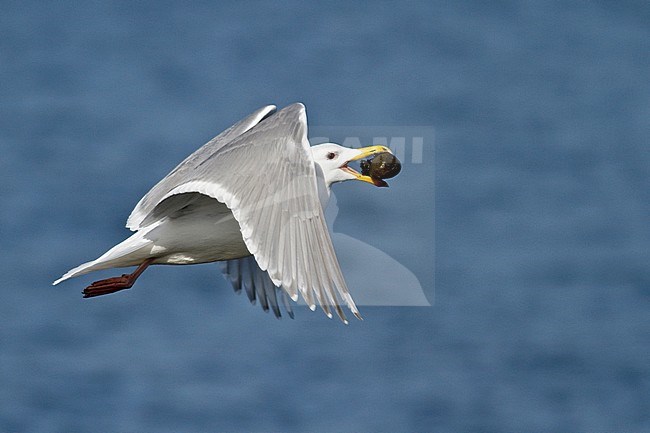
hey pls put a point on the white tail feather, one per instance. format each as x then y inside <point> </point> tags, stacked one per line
<point>130,252</point>
<point>75,272</point>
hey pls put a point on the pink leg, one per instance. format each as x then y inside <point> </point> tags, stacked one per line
<point>115,284</point>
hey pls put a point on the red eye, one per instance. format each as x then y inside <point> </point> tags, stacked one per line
<point>331,155</point>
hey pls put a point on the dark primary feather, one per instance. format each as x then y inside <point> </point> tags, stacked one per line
<point>245,274</point>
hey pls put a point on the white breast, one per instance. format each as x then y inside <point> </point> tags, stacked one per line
<point>202,232</point>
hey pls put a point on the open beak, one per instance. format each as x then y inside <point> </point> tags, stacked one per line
<point>365,153</point>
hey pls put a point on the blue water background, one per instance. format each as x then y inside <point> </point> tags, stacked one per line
<point>541,112</point>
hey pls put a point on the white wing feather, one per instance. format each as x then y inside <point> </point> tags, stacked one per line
<point>178,175</point>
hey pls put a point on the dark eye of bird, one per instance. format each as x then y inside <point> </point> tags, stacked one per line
<point>331,155</point>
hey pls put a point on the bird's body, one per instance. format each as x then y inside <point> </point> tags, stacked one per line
<point>252,198</point>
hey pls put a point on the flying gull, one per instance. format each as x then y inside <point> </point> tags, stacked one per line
<point>252,198</point>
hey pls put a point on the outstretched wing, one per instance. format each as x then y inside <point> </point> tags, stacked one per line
<point>267,178</point>
<point>179,174</point>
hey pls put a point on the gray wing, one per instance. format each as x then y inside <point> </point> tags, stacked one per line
<point>245,274</point>
<point>179,174</point>
<point>267,178</point>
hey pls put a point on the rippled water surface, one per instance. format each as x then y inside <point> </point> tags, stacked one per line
<point>539,255</point>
